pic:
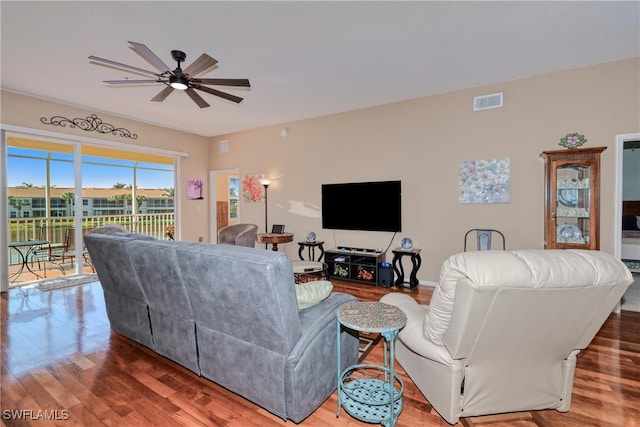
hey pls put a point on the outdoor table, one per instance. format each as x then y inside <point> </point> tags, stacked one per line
<point>24,254</point>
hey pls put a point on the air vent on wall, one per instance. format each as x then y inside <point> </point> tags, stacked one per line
<point>486,102</point>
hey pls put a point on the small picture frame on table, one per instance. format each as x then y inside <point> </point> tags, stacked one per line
<point>277,229</point>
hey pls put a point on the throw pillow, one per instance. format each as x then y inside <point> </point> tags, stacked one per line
<point>312,293</point>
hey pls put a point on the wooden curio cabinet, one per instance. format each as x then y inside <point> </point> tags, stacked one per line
<point>572,198</point>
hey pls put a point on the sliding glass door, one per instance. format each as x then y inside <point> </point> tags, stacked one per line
<point>57,192</point>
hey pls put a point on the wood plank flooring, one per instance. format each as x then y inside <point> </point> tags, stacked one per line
<point>62,366</point>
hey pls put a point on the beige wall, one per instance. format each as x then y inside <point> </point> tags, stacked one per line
<point>422,143</point>
<point>26,111</point>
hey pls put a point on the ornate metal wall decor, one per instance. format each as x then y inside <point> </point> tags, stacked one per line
<point>91,123</point>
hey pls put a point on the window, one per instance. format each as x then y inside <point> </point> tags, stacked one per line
<point>234,202</point>
<point>107,189</point>
<point>58,203</point>
<point>38,203</point>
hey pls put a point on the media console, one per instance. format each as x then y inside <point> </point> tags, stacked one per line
<point>354,264</point>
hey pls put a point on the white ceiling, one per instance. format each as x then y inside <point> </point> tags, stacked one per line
<point>303,59</point>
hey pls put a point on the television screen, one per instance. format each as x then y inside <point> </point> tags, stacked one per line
<point>370,206</point>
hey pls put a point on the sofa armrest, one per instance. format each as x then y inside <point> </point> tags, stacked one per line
<point>314,319</point>
<point>311,368</point>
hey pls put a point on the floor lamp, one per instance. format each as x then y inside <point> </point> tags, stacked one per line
<point>265,183</point>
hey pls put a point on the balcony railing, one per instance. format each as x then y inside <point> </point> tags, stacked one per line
<point>54,229</point>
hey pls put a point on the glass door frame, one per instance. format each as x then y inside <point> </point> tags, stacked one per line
<point>7,131</point>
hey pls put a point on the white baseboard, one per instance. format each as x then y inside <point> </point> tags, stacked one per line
<point>422,283</point>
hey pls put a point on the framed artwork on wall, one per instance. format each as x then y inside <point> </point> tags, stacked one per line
<point>195,189</point>
<point>252,190</point>
<point>484,181</point>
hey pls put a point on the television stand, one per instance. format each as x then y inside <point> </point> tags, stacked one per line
<point>354,264</point>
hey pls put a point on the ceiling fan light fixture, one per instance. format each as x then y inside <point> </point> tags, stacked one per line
<point>185,81</point>
<point>178,82</point>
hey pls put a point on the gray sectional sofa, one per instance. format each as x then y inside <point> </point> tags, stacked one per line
<point>227,313</point>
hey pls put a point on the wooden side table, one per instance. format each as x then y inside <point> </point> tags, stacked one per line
<point>416,261</point>
<point>274,239</point>
<point>369,392</point>
<point>311,250</point>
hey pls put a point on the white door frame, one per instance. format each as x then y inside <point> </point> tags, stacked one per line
<point>617,211</point>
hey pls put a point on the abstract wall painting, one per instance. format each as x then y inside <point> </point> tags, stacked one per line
<point>252,190</point>
<point>195,189</point>
<point>484,181</point>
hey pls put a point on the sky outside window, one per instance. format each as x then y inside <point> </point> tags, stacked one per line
<point>96,172</point>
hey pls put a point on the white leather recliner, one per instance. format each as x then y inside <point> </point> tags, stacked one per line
<point>502,330</point>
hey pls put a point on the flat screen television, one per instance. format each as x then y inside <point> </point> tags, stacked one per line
<point>370,206</point>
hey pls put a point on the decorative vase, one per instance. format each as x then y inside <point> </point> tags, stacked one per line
<point>406,243</point>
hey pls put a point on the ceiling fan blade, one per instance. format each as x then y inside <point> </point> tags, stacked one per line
<point>200,65</point>
<point>150,57</point>
<point>224,95</point>
<point>163,94</point>
<point>224,82</point>
<point>118,64</point>
<point>124,82</point>
<point>197,98</point>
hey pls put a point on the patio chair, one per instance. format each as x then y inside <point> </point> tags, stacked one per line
<point>42,253</point>
<point>68,248</point>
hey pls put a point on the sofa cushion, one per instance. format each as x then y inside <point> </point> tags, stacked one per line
<point>312,293</point>
<point>533,268</point>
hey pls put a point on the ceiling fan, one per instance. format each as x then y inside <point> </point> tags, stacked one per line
<point>183,80</point>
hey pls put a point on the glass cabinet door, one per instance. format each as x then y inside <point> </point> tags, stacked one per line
<point>572,198</point>
<point>573,204</point>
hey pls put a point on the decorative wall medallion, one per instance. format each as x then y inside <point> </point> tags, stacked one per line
<point>91,123</point>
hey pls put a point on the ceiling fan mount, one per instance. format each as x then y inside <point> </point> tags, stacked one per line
<point>183,80</point>
<point>178,56</point>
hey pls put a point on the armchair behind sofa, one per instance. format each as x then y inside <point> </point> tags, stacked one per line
<point>238,234</point>
<point>503,329</point>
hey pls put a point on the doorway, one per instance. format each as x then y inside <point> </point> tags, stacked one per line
<point>225,199</point>
<point>627,238</point>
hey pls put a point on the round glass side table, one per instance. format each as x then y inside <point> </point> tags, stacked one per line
<point>305,271</point>
<point>369,392</point>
